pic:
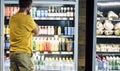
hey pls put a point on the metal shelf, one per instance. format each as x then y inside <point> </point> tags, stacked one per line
<point>53,18</point>
<point>61,52</point>
<point>44,2</point>
<point>108,53</point>
<point>66,36</point>
<point>112,19</point>
<point>49,18</point>
<point>104,36</point>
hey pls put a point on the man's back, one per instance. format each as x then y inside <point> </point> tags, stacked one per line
<point>21,27</point>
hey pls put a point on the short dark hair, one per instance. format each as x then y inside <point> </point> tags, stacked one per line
<point>24,3</point>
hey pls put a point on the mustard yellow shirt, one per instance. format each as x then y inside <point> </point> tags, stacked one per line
<point>21,27</point>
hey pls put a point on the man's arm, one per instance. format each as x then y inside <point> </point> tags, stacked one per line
<point>36,30</point>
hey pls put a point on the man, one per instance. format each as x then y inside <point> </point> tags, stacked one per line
<point>22,28</point>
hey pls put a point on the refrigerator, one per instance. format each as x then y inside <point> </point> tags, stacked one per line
<point>104,44</point>
<point>56,46</point>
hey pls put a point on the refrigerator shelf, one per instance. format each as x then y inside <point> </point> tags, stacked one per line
<point>104,36</point>
<point>55,36</point>
<point>48,18</point>
<point>61,52</point>
<point>105,18</point>
<point>53,18</point>
<point>108,53</point>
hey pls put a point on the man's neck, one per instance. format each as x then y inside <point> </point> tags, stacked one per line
<point>23,11</point>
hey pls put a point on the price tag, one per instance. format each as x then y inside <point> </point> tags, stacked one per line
<point>45,52</point>
<point>55,52</point>
<point>110,19</point>
<point>7,51</point>
<point>71,18</point>
<point>66,52</point>
<point>98,18</point>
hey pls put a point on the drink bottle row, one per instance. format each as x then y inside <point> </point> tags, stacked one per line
<point>52,44</point>
<point>49,30</point>
<point>107,63</point>
<point>53,63</point>
<point>51,11</point>
<point>6,29</point>
<point>108,47</point>
<point>56,30</point>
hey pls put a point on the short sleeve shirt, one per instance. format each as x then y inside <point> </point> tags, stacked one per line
<point>21,27</point>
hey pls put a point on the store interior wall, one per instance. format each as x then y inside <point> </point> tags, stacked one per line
<point>82,35</point>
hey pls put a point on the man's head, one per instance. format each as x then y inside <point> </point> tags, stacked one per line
<point>25,4</point>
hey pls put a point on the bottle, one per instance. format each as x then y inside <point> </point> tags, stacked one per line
<point>72,12</point>
<point>52,45</point>
<point>49,12</point>
<point>44,44</point>
<point>96,67</point>
<point>64,12</point>
<point>68,12</point>
<point>34,43</point>
<point>33,11</point>
<point>63,44</point>
<point>118,63</point>
<point>45,30</point>
<point>45,13</point>
<point>65,30</point>
<point>40,44</point>
<point>58,12</point>
<point>59,30</point>
<point>52,30</point>
<point>60,48</point>
<point>55,30</point>
<point>37,44</point>
<point>7,11</point>
<point>61,11</point>
<point>110,63</point>
<point>56,44</point>
<point>71,44</point>
<point>38,14</point>
<point>49,44</point>
<point>69,28</point>
<point>68,45</point>
<point>100,66</point>
<point>49,30</point>
<point>41,30</point>
<point>42,13</point>
<point>113,63</point>
<point>53,12</point>
<point>11,11</point>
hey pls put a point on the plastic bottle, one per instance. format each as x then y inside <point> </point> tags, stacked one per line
<point>55,30</point>
<point>34,43</point>
<point>63,44</point>
<point>96,66</point>
<point>56,44</point>
<point>60,48</point>
<point>118,63</point>
<point>65,14</point>
<point>37,44</point>
<point>59,30</point>
<point>40,44</point>
<point>68,45</point>
<point>49,30</point>
<point>52,45</point>
<point>72,12</point>
<point>61,12</point>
